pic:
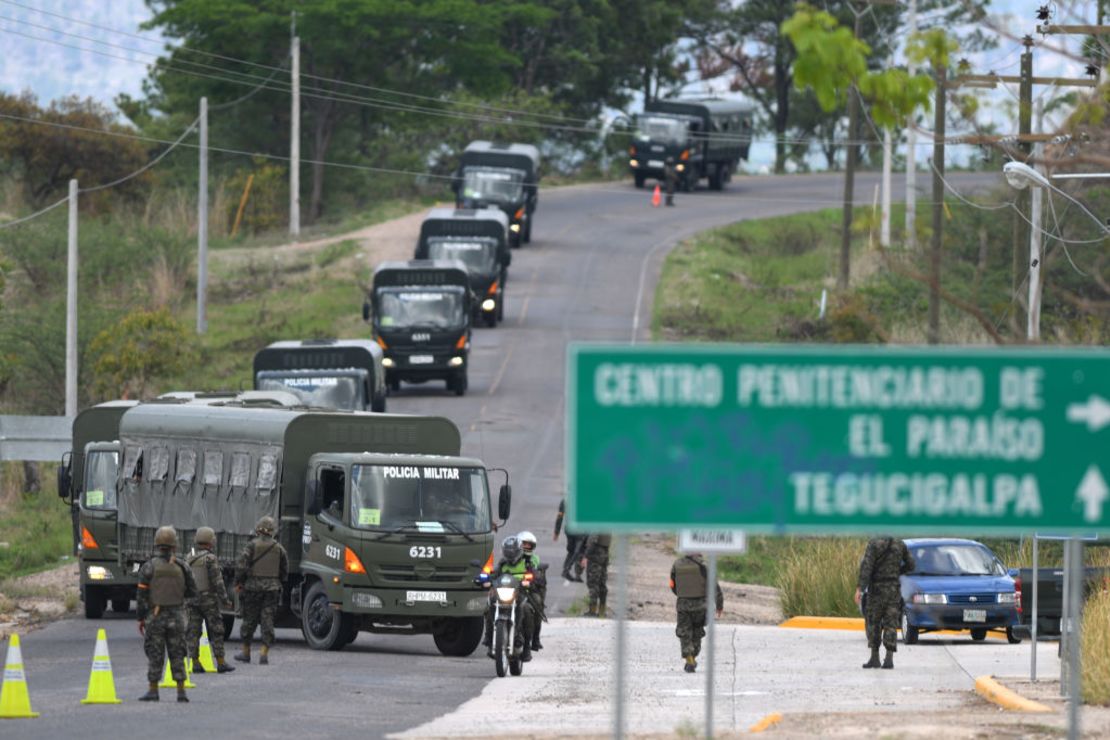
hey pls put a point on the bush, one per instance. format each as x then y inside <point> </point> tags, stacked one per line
<point>36,528</point>
<point>145,345</point>
<point>1095,648</point>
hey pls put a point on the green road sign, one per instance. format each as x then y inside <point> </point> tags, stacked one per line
<point>838,439</point>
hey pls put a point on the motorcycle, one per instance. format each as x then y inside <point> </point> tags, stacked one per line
<point>508,622</point>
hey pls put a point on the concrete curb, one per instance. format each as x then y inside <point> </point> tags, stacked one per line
<point>993,691</point>
<point>824,623</point>
<point>770,720</point>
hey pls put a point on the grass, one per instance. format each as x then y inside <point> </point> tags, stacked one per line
<point>1094,647</point>
<point>35,526</point>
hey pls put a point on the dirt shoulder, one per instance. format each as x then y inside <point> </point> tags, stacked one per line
<point>29,602</point>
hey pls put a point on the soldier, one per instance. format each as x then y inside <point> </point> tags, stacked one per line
<point>262,567</point>
<point>883,562</point>
<point>574,547</point>
<point>596,562</point>
<point>205,608</point>
<point>537,595</point>
<point>689,581</point>
<point>164,584</point>
<point>670,177</point>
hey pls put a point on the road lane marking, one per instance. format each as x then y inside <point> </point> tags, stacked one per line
<point>500,372</point>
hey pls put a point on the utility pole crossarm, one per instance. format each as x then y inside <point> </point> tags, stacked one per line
<point>971,80</point>
<point>1080,29</point>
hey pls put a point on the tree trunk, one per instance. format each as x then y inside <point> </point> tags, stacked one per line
<point>322,129</point>
<point>782,107</point>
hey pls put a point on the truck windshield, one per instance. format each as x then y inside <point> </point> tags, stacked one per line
<point>427,498</point>
<point>661,129</point>
<point>957,560</point>
<point>494,185</point>
<point>478,255</point>
<point>325,391</point>
<point>100,479</point>
<point>412,307</point>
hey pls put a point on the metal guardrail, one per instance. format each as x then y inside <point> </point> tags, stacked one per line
<point>35,438</point>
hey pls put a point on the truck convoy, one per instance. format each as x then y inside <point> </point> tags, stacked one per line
<point>504,176</point>
<point>327,373</point>
<point>385,525</point>
<point>479,239</point>
<point>704,137</point>
<point>421,319</point>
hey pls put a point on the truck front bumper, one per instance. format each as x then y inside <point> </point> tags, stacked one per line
<point>415,603</point>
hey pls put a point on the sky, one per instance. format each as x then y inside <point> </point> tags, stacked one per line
<point>39,56</point>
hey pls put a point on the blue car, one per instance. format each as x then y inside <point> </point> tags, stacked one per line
<point>957,585</point>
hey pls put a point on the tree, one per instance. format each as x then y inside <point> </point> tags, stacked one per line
<point>144,345</point>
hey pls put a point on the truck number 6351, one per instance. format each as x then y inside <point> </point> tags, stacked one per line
<point>425,551</point>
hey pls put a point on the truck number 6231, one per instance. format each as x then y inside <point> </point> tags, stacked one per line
<point>425,551</point>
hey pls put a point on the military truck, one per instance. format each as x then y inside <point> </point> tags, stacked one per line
<point>385,525</point>
<point>504,176</point>
<point>479,239</point>
<point>421,311</point>
<point>328,373</point>
<point>705,137</point>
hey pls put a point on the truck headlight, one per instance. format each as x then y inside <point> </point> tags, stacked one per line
<point>489,304</point>
<point>387,362</point>
<point>477,604</point>
<point>930,599</point>
<point>1007,598</point>
<point>633,163</point>
<point>98,573</point>
<point>455,362</point>
<point>515,228</point>
<point>365,600</point>
<point>680,167</point>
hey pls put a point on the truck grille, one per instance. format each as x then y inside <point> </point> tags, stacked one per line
<point>434,574</point>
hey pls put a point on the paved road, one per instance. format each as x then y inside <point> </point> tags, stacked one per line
<point>588,275</point>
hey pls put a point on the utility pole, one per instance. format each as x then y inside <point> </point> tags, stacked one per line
<point>71,305</point>
<point>295,138</point>
<point>1025,122</point>
<point>849,176</point>
<point>202,223</point>
<point>938,207</point>
<point>911,153</point>
<point>884,228</point>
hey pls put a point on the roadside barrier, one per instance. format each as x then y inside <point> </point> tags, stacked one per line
<point>15,702</point>
<point>102,687</point>
<point>167,677</point>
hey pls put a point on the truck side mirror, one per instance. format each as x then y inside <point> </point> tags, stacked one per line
<point>311,498</point>
<point>366,310</point>
<point>504,502</point>
<point>65,481</point>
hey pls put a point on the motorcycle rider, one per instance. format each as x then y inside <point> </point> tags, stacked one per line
<point>537,595</point>
<point>512,562</point>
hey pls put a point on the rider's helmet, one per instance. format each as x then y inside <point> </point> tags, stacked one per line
<point>527,541</point>
<point>511,550</point>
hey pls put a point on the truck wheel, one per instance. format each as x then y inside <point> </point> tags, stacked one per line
<point>1011,637</point>
<point>229,622</point>
<point>95,602</point>
<point>394,384</point>
<point>458,383</point>
<point>378,404</point>
<point>639,177</point>
<point>501,307</point>
<point>979,635</point>
<point>323,626</point>
<point>121,606</point>
<point>527,236</point>
<point>715,179</point>
<point>491,318</point>
<point>909,632</point>
<point>459,637</point>
<point>350,633</point>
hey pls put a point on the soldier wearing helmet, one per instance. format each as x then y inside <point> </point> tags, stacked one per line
<point>211,595</point>
<point>538,593</point>
<point>164,584</point>
<point>260,572</point>
<point>513,561</point>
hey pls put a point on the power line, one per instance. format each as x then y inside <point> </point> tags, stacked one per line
<point>36,214</point>
<point>147,166</point>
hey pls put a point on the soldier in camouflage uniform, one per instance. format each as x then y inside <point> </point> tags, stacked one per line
<point>574,547</point>
<point>205,608</point>
<point>261,569</point>
<point>883,562</point>
<point>164,584</point>
<point>596,562</point>
<point>689,581</point>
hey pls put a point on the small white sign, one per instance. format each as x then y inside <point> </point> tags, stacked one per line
<point>722,541</point>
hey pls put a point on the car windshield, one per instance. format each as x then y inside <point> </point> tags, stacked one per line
<point>956,560</point>
<point>493,184</point>
<point>408,307</point>
<point>100,479</point>
<point>478,255</point>
<point>426,498</point>
<point>324,391</point>
<point>661,129</point>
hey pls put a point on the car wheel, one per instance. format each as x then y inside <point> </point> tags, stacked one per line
<point>979,635</point>
<point>1011,637</point>
<point>909,632</point>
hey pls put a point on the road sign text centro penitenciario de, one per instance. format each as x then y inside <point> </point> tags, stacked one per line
<point>838,439</point>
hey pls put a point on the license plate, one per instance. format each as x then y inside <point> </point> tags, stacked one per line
<point>975,615</point>
<point>655,163</point>
<point>421,360</point>
<point>436,596</point>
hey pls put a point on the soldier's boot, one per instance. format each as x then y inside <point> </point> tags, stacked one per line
<point>874,662</point>
<point>151,693</point>
<point>536,644</point>
<point>181,693</point>
<point>601,609</point>
<point>222,667</point>
<point>197,667</point>
<point>244,654</point>
<point>264,656</point>
<point>888,661</point>
<point>691,664</point>
<point>592,611</point>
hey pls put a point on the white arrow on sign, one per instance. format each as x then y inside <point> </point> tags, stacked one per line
<point>1095,413</point>
<point>1092,492</point>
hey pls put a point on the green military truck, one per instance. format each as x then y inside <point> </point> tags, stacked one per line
<point>420,312</point>
<point>329,373</point>
<point>385,525</point>
<point>705,137</point>
<point>479,239</point>
<point>504,176</point>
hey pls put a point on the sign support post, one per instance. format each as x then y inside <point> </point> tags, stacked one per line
<point>1033,631</point>
<point>711,638</point>
<point>622,614</point>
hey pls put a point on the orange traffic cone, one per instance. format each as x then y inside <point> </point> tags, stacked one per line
<point>656,197</point>
<point>102,687</point>
<point>15,702</point>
